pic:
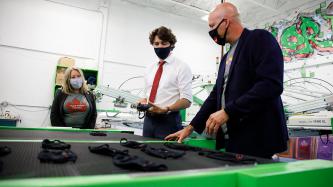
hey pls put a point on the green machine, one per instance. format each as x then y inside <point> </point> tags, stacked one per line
<point>27,140</point>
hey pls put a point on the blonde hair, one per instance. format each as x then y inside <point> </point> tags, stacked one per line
<point>66,85</point>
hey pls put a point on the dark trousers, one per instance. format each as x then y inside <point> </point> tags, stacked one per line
<point>161,125</point>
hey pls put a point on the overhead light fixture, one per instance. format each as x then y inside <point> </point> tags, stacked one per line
<point>205,18</point>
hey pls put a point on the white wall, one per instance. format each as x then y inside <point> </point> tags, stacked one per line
<point>51,27</point>
<point>34,34</point>
<point>127,40</point>
<point>111,36</point>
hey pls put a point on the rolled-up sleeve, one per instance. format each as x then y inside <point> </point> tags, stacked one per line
<point>185,82</point>
<point>145,88</point>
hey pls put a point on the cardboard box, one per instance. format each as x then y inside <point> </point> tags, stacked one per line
<point>60,75</point>
<point>66,61</point>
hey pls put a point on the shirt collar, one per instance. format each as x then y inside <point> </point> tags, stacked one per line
<point>170,59</point>
<point>235,44</point>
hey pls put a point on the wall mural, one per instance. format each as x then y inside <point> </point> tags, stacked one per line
<point>308,34</point>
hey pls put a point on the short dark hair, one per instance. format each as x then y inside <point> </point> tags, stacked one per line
<point>164,34</point>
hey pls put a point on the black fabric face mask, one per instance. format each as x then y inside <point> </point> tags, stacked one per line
<point>163,53</point>
<point>5,150</point>
<point>131,144</point>
<point>229,157</point>
<point>57,156</point>
<point>162,152</point>
<point>95,133</point>
<point>105,149</point>
<point>137,163</point>
<point>55,144</point>
<point>216,37</point>
<point>182,147</point>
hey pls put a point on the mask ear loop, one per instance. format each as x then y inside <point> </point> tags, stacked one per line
<point>225,33</point>
<point>218,24</point>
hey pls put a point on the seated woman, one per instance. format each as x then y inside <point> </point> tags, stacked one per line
<point>74,105</point>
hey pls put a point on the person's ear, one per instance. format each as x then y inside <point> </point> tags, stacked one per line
<point>227,23</point>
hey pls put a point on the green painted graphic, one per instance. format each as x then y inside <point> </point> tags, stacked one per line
<point>309,34</point>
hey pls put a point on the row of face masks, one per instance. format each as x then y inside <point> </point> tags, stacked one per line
<point>163,53</point>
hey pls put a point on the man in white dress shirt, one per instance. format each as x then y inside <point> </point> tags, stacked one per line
<point>168,87</point>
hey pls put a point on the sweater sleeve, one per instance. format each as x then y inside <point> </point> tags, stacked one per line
<point>209,107</point>
<point>55,111</point>
<point>92,122</point>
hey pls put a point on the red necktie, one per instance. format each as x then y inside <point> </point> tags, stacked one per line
<point>157,78</point>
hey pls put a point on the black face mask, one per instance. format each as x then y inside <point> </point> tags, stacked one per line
<point>215,35</point>
<point>163,53</point>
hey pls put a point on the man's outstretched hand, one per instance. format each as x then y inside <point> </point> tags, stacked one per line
<point>180,135</point>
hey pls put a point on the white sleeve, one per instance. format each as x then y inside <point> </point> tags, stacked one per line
<point>145,77</point>
<point>185,82</point>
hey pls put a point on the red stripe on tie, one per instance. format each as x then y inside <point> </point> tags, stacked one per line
<point>156,82</point>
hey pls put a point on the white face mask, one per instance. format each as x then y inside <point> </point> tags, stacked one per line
<point>76,83</point>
